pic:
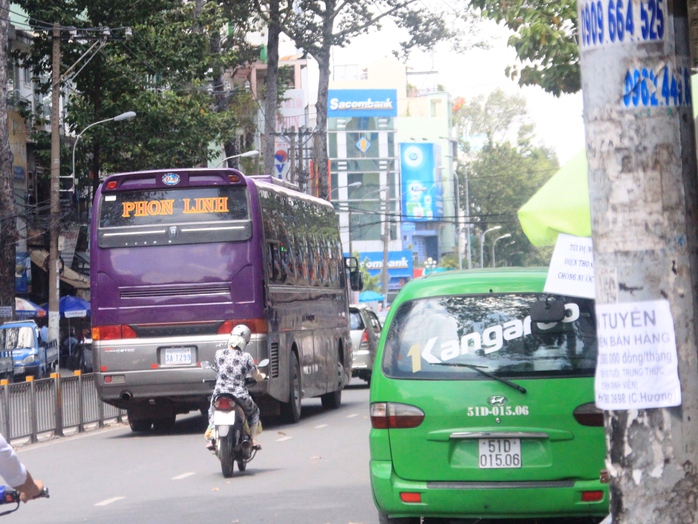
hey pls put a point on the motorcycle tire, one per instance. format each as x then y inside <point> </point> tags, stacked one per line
<point>242,465</point>
<point>226,455</point>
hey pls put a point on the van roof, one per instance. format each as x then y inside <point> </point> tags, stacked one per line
<point>18,323</point>
<point>475,282</point>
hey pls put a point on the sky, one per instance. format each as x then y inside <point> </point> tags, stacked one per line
<point>559,121</point>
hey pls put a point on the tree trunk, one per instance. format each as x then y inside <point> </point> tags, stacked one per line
<point>272,90</point>
<point>322,56</point>
<point>320,136</point>
<point>643,190</point>
<point>8,210</point>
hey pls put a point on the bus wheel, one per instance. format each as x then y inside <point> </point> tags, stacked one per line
<point>291,411</point>
<point>332,400</point>
<point>140,425</point>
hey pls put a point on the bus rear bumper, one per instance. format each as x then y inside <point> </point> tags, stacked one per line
<point>182,387</point>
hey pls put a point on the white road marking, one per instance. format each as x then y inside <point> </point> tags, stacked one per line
<point>321,426</point>
<point>353,415</point>
<point>109,501</point>
<point>184,475</point>
<point>283,438</point>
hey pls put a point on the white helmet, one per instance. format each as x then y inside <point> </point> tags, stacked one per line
<point>239,336</point>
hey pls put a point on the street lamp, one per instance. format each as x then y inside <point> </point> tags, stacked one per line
<point>493,244</point>
<point>482,244</point>
<point>123,116</point>
<point>246,154</point>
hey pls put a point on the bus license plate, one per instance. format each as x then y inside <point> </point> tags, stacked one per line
<point>178,356</point>
<point>500,453</point>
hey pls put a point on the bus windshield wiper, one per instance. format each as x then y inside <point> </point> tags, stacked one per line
<point>480,370</point>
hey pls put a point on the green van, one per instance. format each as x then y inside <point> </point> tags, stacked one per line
<point>482,402</point>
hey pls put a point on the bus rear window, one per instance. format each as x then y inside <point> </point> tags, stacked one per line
<point>449,337</point>
<point>173,206</point>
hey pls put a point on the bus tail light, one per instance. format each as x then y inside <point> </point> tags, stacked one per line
<point>588,415</point>
<point>113,332</point>
<point>391,415</point>
<point>256,325</point>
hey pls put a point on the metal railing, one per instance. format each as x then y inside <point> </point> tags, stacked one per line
<point>52,405</point>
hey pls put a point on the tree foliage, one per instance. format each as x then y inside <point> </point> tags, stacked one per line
<point>168,72</point>
<point>505,167</point>
<point>544,37</point>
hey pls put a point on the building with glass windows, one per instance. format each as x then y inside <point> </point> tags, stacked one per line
<point>392,177</point>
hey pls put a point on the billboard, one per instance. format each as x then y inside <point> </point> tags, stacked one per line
<point>422,187</point>
<point>361,102</point>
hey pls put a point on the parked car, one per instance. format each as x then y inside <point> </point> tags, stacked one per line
<point>365,331</point>
<point>29,356</point>
<point>482,402</point>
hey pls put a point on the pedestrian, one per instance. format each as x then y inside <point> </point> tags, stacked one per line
<point>16,474</point>
<point>43,332</point>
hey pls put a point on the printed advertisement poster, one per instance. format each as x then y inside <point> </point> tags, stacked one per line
<point>422,188</point>
<point>637,363</point>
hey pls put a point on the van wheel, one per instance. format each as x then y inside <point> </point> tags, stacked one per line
<point>291,411</point>
<point>383,518</point>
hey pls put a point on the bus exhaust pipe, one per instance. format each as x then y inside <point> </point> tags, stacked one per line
<point>126,395</point>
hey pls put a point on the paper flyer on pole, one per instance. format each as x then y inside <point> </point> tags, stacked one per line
<point>637,365</point>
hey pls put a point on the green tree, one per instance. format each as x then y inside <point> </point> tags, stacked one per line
<point>169,72</point>
<point>544,37</point>
<point>505,168</point>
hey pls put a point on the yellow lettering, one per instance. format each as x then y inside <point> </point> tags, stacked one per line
<point>141,209</point>
<point>148,208</point>
<point>222,204</point>
<point>128,207</point>
<point>187,206</point>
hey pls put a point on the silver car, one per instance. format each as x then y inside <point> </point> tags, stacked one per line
<point>365,332</point>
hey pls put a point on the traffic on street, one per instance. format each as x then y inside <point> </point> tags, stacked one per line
<point>315,471</point>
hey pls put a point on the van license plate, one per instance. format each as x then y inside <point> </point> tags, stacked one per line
<point>500,453</point>
<point>178,356</point>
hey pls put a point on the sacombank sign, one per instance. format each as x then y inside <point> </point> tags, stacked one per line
<point>361,102</point>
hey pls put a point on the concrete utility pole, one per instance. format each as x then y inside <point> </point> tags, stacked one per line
<point>385,278</point>
<point>640,143</point>
<point>54,315</point>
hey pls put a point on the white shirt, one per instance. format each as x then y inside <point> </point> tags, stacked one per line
<point>11,469</point>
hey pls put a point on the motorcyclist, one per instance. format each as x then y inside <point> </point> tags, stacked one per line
<point>16,474</point>
<point>232,365</point>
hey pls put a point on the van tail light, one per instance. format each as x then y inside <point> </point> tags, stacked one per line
<point>588,415</point>
<point>256,325</point>
<point>592,496</point>
<point>391,415</point>
<point>113,332</point>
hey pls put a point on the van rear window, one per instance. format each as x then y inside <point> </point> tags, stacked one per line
<point>451,337</point>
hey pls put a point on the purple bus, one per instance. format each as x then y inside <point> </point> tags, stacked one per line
<point>179,257</point>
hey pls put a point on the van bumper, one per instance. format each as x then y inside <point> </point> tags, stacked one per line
<point>484,499</point>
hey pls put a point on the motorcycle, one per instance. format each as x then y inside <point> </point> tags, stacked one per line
<point>11,496</point>
<point>229,432</point>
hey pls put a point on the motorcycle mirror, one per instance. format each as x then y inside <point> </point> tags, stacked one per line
<point>205,364</point>
<point>263,363</point>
